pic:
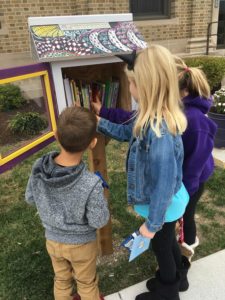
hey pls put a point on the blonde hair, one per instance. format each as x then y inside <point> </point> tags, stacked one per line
<point>192,79</point>
<point>155,77</point>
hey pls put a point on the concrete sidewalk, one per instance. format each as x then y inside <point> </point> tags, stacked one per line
<point>219,158</point>
<point>206,279</point>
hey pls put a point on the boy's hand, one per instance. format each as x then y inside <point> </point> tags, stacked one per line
<point>96,105</point>
<point>145,232</point>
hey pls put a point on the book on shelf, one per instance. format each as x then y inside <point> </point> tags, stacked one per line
<point>79,87</point>
<point>115,93</point>
<point>86,96</point>
<point>68,92</point>
<point>83,93</point>
<point>97,90</point>
<point>72,91</point>
<point>107,94</point>
<point>75,91</point>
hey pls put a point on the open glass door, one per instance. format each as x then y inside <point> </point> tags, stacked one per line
<point>27,112</point>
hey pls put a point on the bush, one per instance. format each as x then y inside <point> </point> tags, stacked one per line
<point>10,97</point>
<point>219,102</point>
<point>29,123</point>
<point>213,67</point>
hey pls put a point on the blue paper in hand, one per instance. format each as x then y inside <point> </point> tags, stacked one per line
<point>140,244</point>
<point>136,244</point>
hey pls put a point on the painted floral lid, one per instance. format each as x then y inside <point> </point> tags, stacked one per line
<point>66,41</point>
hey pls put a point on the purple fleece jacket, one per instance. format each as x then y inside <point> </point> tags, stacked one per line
<point>198,139</point>
<point>116,115</point>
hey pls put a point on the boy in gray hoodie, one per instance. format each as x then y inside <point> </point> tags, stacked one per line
<point>71,205</point>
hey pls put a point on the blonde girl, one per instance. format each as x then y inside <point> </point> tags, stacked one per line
<point>154,161</point>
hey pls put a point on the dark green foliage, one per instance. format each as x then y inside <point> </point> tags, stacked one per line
<point>213,67</point>
<point>10,97</point>
<point>29,123</point>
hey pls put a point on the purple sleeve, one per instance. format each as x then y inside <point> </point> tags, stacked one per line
<point>116,115</point>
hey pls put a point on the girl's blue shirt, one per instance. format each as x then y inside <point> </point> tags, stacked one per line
<point>154,168</point>
<point>174,211</point>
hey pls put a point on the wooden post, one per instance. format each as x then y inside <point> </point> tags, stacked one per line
<point>97,161</point>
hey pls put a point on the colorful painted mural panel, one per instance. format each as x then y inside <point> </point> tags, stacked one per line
<point>89,39</point>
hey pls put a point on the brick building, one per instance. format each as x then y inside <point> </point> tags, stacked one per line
<point>181,25</point>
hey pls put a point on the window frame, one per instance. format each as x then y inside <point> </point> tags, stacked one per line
<point>22,73</point>
<point>146,16</point>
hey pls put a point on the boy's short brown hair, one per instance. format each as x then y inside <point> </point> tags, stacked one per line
<point>76,128</point>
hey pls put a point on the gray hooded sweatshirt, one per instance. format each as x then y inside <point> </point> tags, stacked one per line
<point>69,200</point>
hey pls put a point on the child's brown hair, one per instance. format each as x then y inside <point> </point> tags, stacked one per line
<point>76,128</point>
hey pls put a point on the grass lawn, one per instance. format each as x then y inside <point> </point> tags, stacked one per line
<point>25,268</point>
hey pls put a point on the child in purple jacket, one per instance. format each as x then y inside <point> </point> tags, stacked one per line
<point>198,141</point>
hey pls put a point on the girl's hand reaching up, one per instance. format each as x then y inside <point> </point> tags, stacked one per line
<point>96,105</point>
<point>77,104</point>
<point>145,232</point>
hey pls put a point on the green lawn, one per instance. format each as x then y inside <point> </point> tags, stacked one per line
<point>25,269</point>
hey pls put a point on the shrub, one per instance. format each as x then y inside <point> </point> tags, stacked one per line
<point>10,97</point>
<point>219,102</point>
<point>29,123</point>
<point>213,67</point>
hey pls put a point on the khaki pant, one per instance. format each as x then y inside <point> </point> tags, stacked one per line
<point>74,262</point>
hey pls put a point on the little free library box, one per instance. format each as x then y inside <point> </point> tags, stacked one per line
<point>76,60</point>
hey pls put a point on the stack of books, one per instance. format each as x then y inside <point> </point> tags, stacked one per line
<point>83,93</point>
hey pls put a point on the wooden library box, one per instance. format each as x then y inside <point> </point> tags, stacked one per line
<point>76,60</point>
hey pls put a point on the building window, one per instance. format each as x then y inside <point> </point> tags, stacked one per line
<point>150,9</point>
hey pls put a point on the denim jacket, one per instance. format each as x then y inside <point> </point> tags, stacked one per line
<point>154,168</point>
